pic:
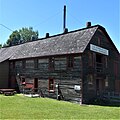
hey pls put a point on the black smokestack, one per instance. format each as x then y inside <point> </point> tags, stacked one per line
<point>64,18</point>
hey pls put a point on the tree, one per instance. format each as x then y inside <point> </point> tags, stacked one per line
<point>0,45</point>
<point>14,38</point>
<point>22,36</point>
<point>27,34</point>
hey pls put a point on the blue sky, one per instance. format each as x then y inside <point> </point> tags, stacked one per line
<point>47,16</point>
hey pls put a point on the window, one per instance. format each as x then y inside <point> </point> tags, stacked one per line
<point>70,61</point>
<point>51,63</point>
<point>23,81</point>
<point>60,63</point>
<point>117,86</point>
<point>23,64</point>
<point>51,85</point>
<point>106,62</point>
<point>36,63</point>
<point>43,64</point>
<point>90,79</point>
<point>91,59</point>
<point>12,65</point>
<point>99,64</point>
<point>98,58</point>
<point>116,68</point>
<point>18,64</point>
<point>106,82</point>
<point>29,64</point>
<point>99,39</point>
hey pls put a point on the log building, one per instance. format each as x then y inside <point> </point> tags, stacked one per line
<point>77,65</point>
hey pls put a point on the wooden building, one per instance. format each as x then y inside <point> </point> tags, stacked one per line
<point>74,66</point>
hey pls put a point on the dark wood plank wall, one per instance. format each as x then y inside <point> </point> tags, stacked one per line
<point>4,74</point>
<point>66,77</point>
<point>84,69</point>
<point>108,72</point>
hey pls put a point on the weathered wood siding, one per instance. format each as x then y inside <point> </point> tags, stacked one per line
<point>4,74</point>
<point>94,81</point>
<point>66,77</point>
<point>108,69</point>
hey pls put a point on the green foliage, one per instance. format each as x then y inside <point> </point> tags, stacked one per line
<point>5,45</point>
<point>0,45</point>
<point>20,107</point>
<point>27,34</point>
<point>14,38</point>
<point>22,35</point>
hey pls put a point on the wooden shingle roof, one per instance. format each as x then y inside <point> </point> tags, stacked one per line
<point>71,42</point>
<point>6,53</point>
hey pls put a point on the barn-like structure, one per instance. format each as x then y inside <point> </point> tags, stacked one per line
<point>76,66</point>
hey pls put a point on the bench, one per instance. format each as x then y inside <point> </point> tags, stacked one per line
<point>7,92</point>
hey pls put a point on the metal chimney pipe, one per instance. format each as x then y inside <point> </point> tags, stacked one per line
<point>47,35</point>
<point>64,18</point>
<point>88,24</point>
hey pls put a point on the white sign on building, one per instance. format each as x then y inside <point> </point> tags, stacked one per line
<point>77,87</point>
<point>99,49</point>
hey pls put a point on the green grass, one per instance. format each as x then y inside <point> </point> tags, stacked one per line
<point>20,107</point>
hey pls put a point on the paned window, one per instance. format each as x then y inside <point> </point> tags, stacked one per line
<point>70,61</point>
<point>51,63</point>
<point>116,69</point>
<point>23,64</point>
<point>29,64</point>
<point>90,79</point>
<point>99,40</point>
<point>12,65</point>
<point>18,64</point>
<point>106,82</point>
<point>36,63</point>
<point>51,85</point>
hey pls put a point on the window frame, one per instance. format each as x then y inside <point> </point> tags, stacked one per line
<point>30,64</point>
<point>90,79</point>
<point>23,64</point>
<point>106,62</point>
<point>91,59</point>
<point>51,63</point>
<point>99,40</point>
<point>116,69</point>
<point>51,85</point>
<point>106,82</point>
<point>36,63</point>
<point>12,65</point>
<point>23,81</point>
<point>70,62</point>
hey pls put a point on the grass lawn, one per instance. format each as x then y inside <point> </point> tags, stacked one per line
<point>20,107</point>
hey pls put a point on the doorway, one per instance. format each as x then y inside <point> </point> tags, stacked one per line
<point>99,63</point>
<point>98,58</point>
<point>99,86</point>
<point>36,84</point>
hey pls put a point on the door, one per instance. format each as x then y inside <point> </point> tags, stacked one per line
<point>36,84</point>
<point>97,86</point>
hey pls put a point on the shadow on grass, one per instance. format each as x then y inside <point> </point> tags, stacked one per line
<point>104,102</point>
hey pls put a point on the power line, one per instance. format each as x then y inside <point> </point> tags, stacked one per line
<point>74,17</point>
<point>6,27</point>
<point>49,18</point>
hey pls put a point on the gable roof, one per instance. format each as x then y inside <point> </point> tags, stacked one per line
<point>71,42</point>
